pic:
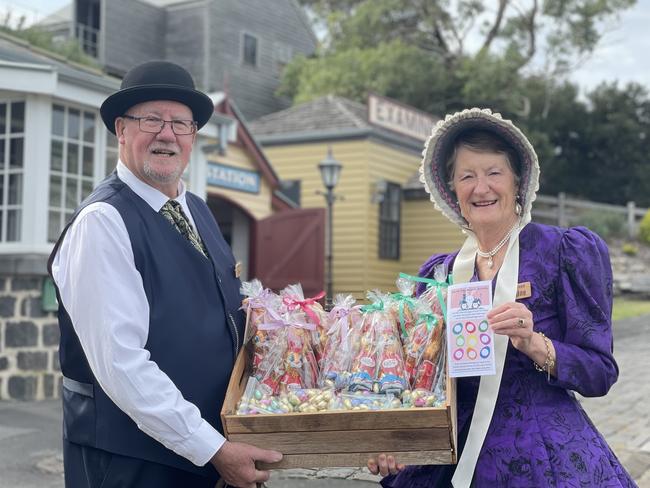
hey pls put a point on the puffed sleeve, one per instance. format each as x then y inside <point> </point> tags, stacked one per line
<point>584,356</point>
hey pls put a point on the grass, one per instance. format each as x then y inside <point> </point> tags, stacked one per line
<point>625,308</point>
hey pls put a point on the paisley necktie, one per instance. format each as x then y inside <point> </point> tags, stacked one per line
<point>173,212</point>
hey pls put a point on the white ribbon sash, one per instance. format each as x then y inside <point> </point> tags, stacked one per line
<point>506,291</point>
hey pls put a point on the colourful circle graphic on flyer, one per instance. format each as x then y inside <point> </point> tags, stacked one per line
<point>470,348</point>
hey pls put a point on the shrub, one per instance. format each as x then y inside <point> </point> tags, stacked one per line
<point>630,249</point>
<point>644,228</point>
<point>607,225</point>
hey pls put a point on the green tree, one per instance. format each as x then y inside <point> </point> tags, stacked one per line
<point>509,38</point>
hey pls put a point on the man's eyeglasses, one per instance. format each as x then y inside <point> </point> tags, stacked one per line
<point>154,125</point>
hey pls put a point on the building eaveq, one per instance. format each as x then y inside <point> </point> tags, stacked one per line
<point>384,223</point>
<point>54,149</point>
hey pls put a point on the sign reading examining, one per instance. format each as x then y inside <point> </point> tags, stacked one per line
<point>398,117</point>
<point>233,178</point>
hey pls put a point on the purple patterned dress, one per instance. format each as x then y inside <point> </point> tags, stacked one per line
<point>539,435</point>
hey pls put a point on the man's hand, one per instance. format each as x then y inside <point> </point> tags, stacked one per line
<point>235,462</point>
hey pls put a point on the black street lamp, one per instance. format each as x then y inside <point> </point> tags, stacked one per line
<point>330,169</point>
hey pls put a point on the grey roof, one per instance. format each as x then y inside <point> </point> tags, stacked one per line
<point>14,50</point>
<point>326,113</point>
<point>326,118</point>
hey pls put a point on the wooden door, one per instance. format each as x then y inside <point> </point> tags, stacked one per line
<point>289,247</point>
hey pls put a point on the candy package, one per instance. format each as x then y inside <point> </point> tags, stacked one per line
<point>419,338</point>
<point>307,311</point>
<point>262,308</point>
<point>402,305</point>
<point>299,367</point>
<point>337,353</point>
<point>377,364</point>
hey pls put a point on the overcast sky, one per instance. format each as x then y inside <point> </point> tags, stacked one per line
<point>624,53</point>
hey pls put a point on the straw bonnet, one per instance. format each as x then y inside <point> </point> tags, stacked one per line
<point>439,145</point>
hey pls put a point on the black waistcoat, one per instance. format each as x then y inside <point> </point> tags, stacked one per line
<point>195,327</point>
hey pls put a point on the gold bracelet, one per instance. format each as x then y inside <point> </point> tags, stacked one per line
<point>550,362</point>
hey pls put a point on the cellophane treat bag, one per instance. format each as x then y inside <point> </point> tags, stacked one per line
<point>312,312</point>
<point>402,305</point>
<point>263,308</point>
<point>337,353</point>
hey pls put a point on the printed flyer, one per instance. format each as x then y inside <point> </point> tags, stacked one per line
<point>470,342</point>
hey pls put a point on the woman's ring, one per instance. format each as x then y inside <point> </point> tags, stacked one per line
<point>520,322</point>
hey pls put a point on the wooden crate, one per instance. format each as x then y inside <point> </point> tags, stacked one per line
<point>343,438</point>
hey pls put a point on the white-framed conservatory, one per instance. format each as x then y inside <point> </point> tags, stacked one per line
<point>53,151</point>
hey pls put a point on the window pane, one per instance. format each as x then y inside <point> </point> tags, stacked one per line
<point>15,189</point>
<point>86,188</point>
<point>53,226</point>
<point>250,50</point>
<point>73,159</point>
<point>71,193</point>
<point>74,119</point>
<point>56,156</point>
<point>89,127</point>
<point>55,191</point>
<point>58,113</point>
<point>87,165</point>
<point>16,153</point>
<point>2,154</point>
<point>13,225</point>
<point>3,118</point>
<point>2,191</point>
<point>18,117</point>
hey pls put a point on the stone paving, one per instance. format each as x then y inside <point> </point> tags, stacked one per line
<point>30,433</point>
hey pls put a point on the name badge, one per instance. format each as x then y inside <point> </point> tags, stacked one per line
<point>238,269</point>
<point>523,290</point>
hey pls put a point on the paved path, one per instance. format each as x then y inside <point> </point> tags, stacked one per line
<point>30,433</point>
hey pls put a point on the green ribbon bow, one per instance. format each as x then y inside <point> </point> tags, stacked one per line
<point>403,300</point>
<point>430,319</point>
<point>439,285</point>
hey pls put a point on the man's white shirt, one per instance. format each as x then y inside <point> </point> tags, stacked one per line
<point>103,293</point>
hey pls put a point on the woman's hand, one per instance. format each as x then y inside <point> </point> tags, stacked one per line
<point>384,465</point>
<point>514,320</point>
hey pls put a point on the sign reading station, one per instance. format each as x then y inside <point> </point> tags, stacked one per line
<point>233,178</point>
<point>399,118</point>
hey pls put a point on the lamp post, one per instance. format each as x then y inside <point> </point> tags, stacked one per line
<point>330,169</point>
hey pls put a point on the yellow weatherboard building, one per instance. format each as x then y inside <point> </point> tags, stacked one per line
<point>383,221</point>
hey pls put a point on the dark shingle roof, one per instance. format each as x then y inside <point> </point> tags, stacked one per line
<point>326,113</point>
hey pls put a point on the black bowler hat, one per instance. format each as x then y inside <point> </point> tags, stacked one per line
<point>156,80</point>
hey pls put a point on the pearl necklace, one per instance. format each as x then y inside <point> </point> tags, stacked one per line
<point>492,252</point>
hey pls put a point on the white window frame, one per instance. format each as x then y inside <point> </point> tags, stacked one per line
<point>65,211</point>
<point>6,172</point>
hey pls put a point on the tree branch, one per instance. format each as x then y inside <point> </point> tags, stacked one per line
<point>532,46</point>
<point>496,27</point>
